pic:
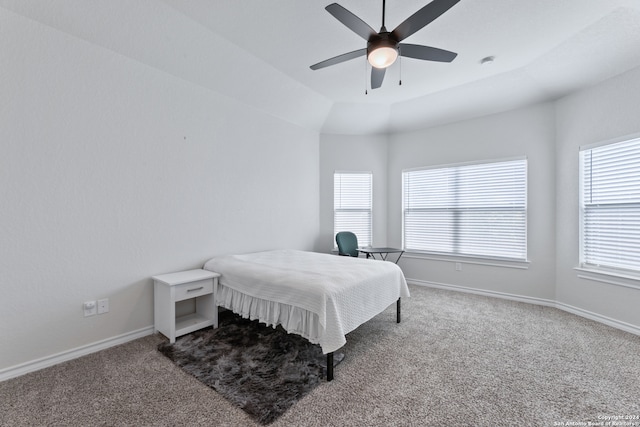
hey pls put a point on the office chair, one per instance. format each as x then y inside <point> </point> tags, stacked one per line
<point>347,244</point>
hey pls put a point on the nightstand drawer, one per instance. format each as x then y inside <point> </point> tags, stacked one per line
<point>193,289</point>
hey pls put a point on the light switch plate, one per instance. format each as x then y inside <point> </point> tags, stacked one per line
<point>103,306</point>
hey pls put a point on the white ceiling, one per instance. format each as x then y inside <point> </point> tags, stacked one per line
<point>259,52</point>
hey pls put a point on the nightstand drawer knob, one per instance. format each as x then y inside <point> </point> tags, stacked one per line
<point>195,289</point>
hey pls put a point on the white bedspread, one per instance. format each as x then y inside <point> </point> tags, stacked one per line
<point>319,296</point>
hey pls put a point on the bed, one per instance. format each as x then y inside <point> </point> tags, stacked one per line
<point>322,297</point>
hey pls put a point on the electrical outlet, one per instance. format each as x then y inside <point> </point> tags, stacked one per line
<point>458,266</point>
<point>90,308</point>
<point>103,306</point>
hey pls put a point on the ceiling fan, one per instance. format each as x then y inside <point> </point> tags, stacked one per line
<point>383,47</point>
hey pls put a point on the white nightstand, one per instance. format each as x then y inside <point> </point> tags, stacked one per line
<point>171,288</point>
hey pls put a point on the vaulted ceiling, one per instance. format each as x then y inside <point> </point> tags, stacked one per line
<point>259,53</point>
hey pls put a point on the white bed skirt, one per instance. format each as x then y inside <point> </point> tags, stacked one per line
<point>294,320</point>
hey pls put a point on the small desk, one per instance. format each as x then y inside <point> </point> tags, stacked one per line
<point>383,252</point>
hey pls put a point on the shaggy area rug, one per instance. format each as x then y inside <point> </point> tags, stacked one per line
<point>261,369</point>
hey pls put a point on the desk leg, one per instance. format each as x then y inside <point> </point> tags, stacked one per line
<point>398,316</point>
<point>330,366</point>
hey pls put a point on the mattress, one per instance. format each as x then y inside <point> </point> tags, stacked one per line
<point>319,296</point>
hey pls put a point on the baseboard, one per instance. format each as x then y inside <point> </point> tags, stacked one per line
<point>627,327</point>
<point>624,326</point>
<point>45,362</point>
<point>495,294</point>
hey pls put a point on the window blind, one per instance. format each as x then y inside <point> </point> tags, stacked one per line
<point>352,205</point>
<point>475,210</point>
<point>610,206</point>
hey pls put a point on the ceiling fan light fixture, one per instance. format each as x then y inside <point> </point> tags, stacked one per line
<point>382,57</point>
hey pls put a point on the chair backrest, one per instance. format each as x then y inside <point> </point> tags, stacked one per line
<point>347,243</point>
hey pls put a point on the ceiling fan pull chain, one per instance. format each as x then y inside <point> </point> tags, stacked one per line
<point>365,76</point>
<point>400,65</point>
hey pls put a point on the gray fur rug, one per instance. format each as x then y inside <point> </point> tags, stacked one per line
<point>263,370</point>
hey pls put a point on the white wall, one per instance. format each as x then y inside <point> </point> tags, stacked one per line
<point>112,171</point>
<point>525,132</point>
<point>607,111</point>
<point>363,153</point>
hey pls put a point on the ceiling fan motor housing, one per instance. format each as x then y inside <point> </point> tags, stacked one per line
<point>382,39</point>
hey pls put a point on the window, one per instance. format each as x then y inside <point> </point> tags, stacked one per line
<point>475,210</point>
<point>352,205</point>
<point>610,206</point>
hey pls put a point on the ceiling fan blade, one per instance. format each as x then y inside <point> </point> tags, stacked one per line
<point>427,53</point>
<point>352,22</point>
<point>340,58</point>
<point>422,17</point>
<point>377,76</point>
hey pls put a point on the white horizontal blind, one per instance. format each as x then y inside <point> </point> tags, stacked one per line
<point>610,206</point>
<point>475,210</point>
<point>352,205</point>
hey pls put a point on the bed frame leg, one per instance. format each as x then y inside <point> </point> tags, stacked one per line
<point>330,366</point>
<point>330,355</point>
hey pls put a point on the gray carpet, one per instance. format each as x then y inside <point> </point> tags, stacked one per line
<point>455,360</point>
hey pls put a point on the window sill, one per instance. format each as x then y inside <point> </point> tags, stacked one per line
<point>491,262</point>
<point>609,277</point>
